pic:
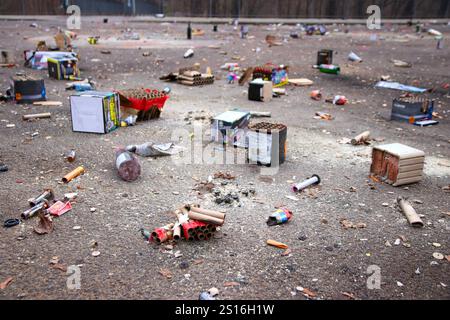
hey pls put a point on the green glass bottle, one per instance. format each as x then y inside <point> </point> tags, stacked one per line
<point>329,68</point>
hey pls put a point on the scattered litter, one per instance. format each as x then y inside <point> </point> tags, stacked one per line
<point>323,116</point>
<point>277,244</point>
<point>95,253</point>
<point>6,283</point>
<point>188,54</point>
<point>280,216</point>
<point>45,224</point>
<point>401,64</point>
<point>411,214</point>
<point>347,224</point>
<point>314,180</point>
<point>316,95</point>
<point>354,57</point>
<point>48,103</point>
<point>362,138</point>
<point>399,86</point>
<point>438,256</point>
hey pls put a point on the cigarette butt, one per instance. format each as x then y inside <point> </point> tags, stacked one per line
<point>72,175</point>
<point>215,214</point>
<point>277,244</point>
<point>204,218</point>
<point>36,116</point>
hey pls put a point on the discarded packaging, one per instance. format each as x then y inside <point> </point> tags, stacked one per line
<point>409,212</point>
<point>399,86</point>
<point>279,217</point>
<point>397,164</point>
<point>151,149</point>
<point>73,174</point>
<point>59,208</point>
<point>354,57</point>
<point>314,180</point>
<point>95,112</point>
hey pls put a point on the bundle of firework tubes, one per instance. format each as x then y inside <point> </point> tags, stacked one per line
<point>193,223</point>
<point>146,104</point>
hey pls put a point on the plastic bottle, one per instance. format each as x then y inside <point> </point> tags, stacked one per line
<point>329,68</point>
<point>127,165</point>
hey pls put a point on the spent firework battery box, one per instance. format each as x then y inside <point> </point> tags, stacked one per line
<point>63,68</point>
<point>95,112</point>
<point>230,128</point>
<point>267,143</point>
<point>260,90</point>
<point>412,109</point>
<point>397,164</point>
<point>27,89</point>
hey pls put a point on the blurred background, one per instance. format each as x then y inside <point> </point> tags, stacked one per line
<point>337,9</point>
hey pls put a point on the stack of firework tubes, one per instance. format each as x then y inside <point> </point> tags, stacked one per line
<point>193,223</point>
<point>195,78</point>
<point>145,103</point>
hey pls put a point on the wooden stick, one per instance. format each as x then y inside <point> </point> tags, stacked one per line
<point>361,138</point>
<point>37,116</point>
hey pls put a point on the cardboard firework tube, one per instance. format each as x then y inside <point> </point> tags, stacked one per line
<point>315,179</point>
<point>409,212</point>
<point>211,213</point>
<point>200,236</point>
<point>72,175</point>
<point>277,244</point>
<point>37,116</point>
<point>205,218</point>
<point>177,232</point>
<point>46,195</point>
<point>361,138</point>
<point>35,210</point>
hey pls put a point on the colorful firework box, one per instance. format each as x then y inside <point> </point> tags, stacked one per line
<point>270,72</point>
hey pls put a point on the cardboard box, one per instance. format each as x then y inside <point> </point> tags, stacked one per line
<point>230,128</point>
<point>397,164</point>
<point>267,143</point>
<point>27,89</point>
<point>38,59</point>
<point>412,109</point>
<point>63,68</point>
<point>260,90</point>
<point>95,112</point>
